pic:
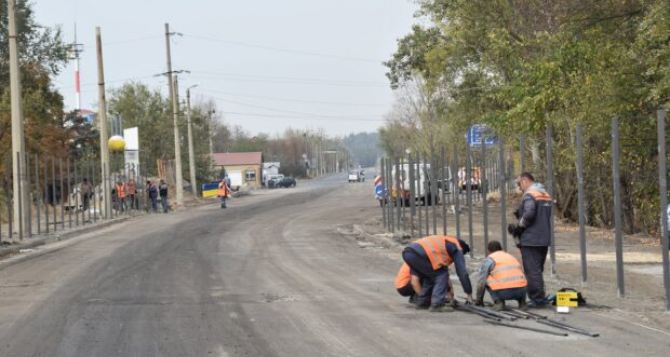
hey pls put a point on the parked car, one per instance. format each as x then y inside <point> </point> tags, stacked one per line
<point>354,176</point>
<point>285,182</point>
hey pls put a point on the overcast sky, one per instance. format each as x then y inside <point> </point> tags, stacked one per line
<point>268,64</point>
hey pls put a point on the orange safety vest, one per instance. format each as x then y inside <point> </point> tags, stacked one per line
<point>121,190</point>
<point>436,250</point>
<point>507,273</point>
<point>538,195</point>
<point>223,189</point>
<point>403,277</point>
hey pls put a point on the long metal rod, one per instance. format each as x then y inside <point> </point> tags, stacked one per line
<point>69,193</point>
<point>62,192</point>
<point>433,188</point>
<point>426,195</point>
<point>412,194</point>
<point>499,323</point>
<point>581,201</point>
<point>567,328</point>
<point>503,192</point>
<point>550,188</point>
<point>403,179</point>
<point>484,189</point>
<point>29,202</point>
<point>419,192</point>
<point>46,195</point>
<point>398,196</point>
<point>522,152</point>
<point>457,201</point>
<point>39,198</point>
<point>76,196</point>
<point>443,181</point>
<point>663,190</point>
<point>53,192</point>
<point>618,234</point>
<point>384,200</point>
<point>468,191</point>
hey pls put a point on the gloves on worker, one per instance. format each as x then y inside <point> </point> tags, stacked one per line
<point>465,248</point>
<point>515,230</point>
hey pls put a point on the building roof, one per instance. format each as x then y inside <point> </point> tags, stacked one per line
<point>237,158</point>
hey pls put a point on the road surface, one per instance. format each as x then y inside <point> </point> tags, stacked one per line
<point>269,276</point>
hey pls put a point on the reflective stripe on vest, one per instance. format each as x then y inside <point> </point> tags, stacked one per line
<point>539,195</point>
<point>223,190</point>
<point>121,191</point>
<point>403,277</point>
<point>436,250</point>
<point>507,273</point>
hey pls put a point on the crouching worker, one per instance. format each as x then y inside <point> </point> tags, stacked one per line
<point>429,259</point>
<point>406,284</point>
<point>502,276</point>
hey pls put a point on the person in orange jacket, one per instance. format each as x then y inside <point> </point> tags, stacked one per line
<point>429,258</point>
<point>501,274</point>
<point>223,192</point>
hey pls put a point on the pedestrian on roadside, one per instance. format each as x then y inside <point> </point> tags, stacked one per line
<point>85,191</point>
<point>532,234</point>
<point>163,191</point>
<point>429,259</point>
<point>380,191</point>
<point>121,194</point>
<point>223,192</point>
<point>131,192</point>
<point>501,275</point>
<point>152,194</point>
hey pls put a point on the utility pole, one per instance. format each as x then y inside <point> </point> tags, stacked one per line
<point>75,49</point>
<point>19,184</point>
<point>191,156</point>
<point>175,114</point>
<point>102,125</point>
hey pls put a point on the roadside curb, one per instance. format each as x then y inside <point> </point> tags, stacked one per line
<point>58,237</point>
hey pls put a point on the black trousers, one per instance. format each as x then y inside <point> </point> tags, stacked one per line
<point>533,266</point>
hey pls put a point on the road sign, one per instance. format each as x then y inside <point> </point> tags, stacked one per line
<point>479,133</point>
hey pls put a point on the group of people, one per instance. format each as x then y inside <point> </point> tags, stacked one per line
<point>424,275</point>
<point>124,195</point>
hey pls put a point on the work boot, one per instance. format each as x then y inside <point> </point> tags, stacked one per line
<point>498,305</point>
<point>443,308</point>
<point>522,304</point>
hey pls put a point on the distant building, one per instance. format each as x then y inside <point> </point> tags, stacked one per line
<point>244,169</point>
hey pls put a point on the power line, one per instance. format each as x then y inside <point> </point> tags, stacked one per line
<point>307,101</point>
<point>297,79</point>
<point>299,118</point>
<point>279,49</point>
<point>311,115</point>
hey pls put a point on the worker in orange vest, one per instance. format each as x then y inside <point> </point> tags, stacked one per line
<point>405,283</point>
<point>501,274</point>
<point>223,192</point>
<point>121,194</point>
<point>429,259</point>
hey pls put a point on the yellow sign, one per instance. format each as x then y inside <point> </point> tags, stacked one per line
<point>567,298</point>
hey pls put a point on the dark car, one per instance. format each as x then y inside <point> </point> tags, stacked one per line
<point>285,182</point>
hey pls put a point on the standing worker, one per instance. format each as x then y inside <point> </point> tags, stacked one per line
<point>152,191</point>
<point>131,193</point>
<point>429,259</point>
<point>163,191</point>
<point>85,190</point>
<point>223,192</point>
<point>532,234</point>
<point>121,194</point>
<point>502,276</point>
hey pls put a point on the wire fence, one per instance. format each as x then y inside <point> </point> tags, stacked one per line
<point>425,191</point>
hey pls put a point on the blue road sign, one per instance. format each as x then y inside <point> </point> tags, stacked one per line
<point>479,133</point>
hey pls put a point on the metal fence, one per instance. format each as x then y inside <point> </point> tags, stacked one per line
<point>66,192</point>
<point>427,190</point>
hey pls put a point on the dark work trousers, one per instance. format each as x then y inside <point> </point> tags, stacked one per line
<point>435,283</point>
<point>533,266</point>
<point>508,294</point>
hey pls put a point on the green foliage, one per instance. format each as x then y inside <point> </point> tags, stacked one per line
<point>520,65</point>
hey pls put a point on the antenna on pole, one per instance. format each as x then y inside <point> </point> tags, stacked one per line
<point>74,51</point>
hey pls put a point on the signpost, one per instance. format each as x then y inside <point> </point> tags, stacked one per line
<point>479,133</point>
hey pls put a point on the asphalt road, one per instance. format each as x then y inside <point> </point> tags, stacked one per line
<point>269,276</point>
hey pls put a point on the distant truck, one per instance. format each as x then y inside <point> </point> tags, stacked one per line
<point>354,176</point>
<point>422,184</point>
